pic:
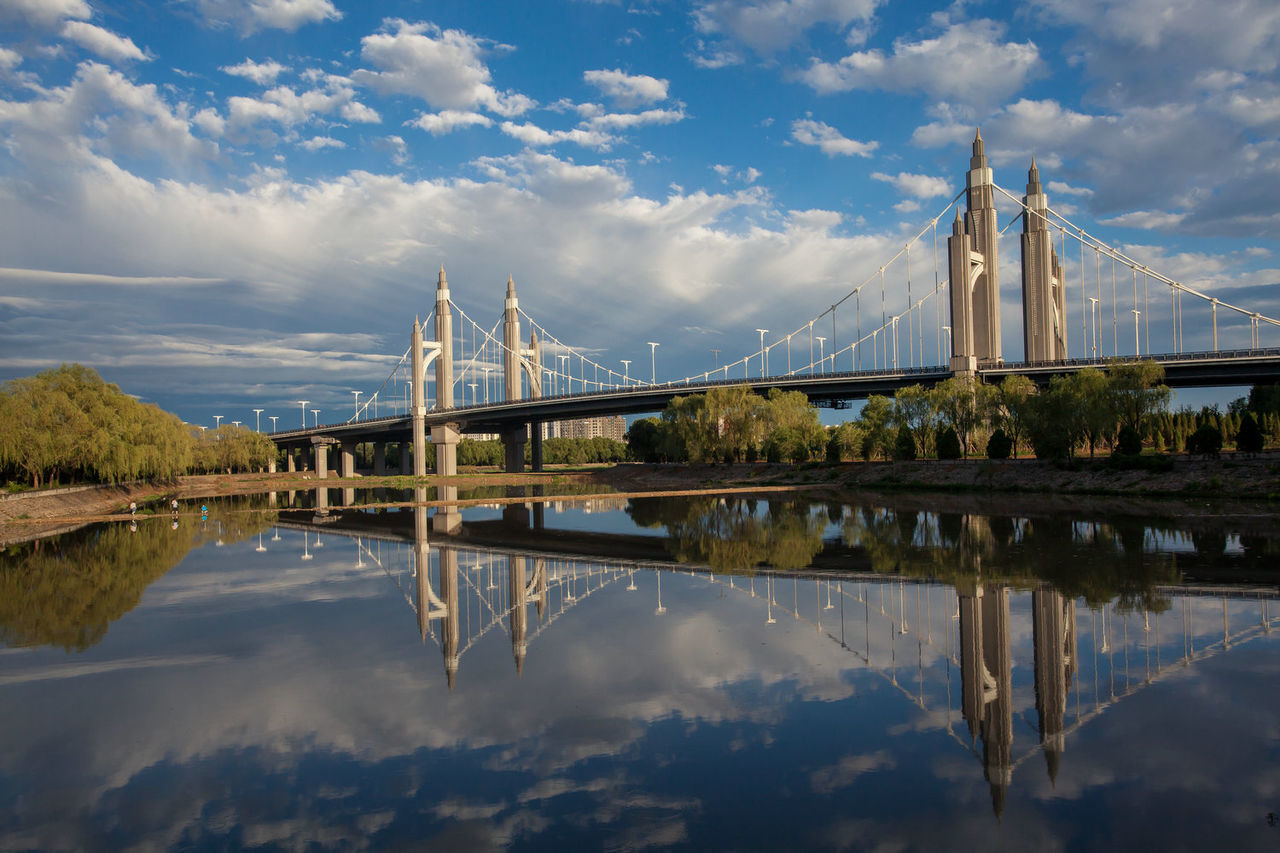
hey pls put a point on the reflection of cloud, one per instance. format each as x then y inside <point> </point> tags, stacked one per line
<point>825,780</point>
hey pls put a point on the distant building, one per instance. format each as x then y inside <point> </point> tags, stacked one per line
<point>612,427</point>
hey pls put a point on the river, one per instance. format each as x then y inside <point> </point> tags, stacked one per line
<point>710,673</point>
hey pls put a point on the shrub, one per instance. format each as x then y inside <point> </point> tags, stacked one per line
<point>948,444</point>
<point>1128,442</point>
<point>999,446</point>
<point>904,447</point>
<point>1206,440</point>
<point>1249,437</point>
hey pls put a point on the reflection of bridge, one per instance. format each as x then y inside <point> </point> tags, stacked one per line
<point>549,380</point>
<point>464,585</point>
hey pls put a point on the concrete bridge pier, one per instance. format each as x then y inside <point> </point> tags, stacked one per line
<point>379,458</point>
<point>347,459</point>
<point>444,439</point>
<point>513,444</point>
<point>291,459</point>
<point>320,444</point>
<point>535,446</point>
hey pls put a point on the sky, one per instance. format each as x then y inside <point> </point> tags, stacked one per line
<point>224,205</point>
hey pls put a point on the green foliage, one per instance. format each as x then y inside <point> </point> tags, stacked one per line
<point>1265,399</point>
<point>1053,425</point>
<point>1128,442</point>
<point>949,444</point>
<point>1137,391</point>
<point>904,447</point>
<point>1205,441</point>
<point>999,445</point>
<point>1248,437</point>
<point>730,423</point>
<point>1013,404</point>
<point>646,441</point>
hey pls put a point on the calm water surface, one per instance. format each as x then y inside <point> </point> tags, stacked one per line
<point>921,672</point>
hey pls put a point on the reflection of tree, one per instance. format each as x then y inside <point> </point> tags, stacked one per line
<point>729,535</point>
<point>67,590</point>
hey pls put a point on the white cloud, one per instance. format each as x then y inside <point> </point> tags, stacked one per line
<point>622,121</point>
<point>286,107</point>
<point>968,63</point>
<point>531,134</point>
<point>447,121</point>
<point>316,143</point>
<point>829,140</point>
<point>104,43</point>
<point>1148,219</point>
<point>442,67</point>
<point>9,59</point>
<point>627,91</point>
<point>250,16</point>
<point>44,12</point>
<point>768,26</point>
<point>916,186</point>
<point>262,73</point>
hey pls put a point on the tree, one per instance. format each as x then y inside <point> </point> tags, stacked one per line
<point>998,445</point>
<point>949,444</point>
<point>846,441</point>
<point>1248,437</point>
<point>1095,406</point>
<point>876,415</point>
<point>1137,392</point>
<point>963,404</point>
<point>904,447</point>
<point>915,408</point>
<point>1206,440</point>
<point>1054,423</point>
<point>1012,397</point>
<point>645,440</point>
<point>789,413</point>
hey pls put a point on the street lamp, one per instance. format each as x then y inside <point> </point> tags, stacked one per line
<point>473,385</point>
<point>316,414</point>
<point>274,418</point>
<point>822,358</point>
<point>763,356</point>
<point>487,371</point>
<point>303,403</point>
<point>653,363</point>
<point>235,424</point>
<point>947,329</point>
<point>563,371</point>
<point>217,421</point>
<point>626,365</point>
<point>1093,308</point>
<point>1137,349</point>
<point>357,393</point>
<point>257,419</point>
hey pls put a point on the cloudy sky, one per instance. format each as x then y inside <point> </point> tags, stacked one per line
<point>229,204</point>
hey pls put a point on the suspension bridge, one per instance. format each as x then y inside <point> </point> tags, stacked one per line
<point>948,651</point>
<point>938,316</point>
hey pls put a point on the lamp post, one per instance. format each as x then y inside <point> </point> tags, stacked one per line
<point>257,419</point>
<point>217,421</point>
<point>473,385</point>
<point>315,413</point>
<point>563,371</point>
<point>1137,348</point>
<point>357,412</point>
<point>235,424</point>
<point>822,358</point>
<point>764,366</point>
<point>653,361</point>
<point>487,371</point>
<point>626,366</point>
<point>947,329</point>
<point>1093,308</point>
<point>303,403</point>
<point>274,418</point>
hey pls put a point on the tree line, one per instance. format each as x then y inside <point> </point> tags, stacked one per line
<point>1119,409</point>
<point>67,425</point>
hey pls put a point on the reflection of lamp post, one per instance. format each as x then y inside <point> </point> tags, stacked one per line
<point>631,576</point>
<point>306,555</point>
<point>660,609</point>
<point>764,357</point>
<point>260,547</point>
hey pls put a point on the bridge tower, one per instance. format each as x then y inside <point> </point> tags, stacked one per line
<point>1044,306</point>
<point>444,437</point>
<point>975,271</point>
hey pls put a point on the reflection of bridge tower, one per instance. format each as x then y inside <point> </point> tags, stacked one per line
<point>974,270</point>
<point>1044,309</point>
<point>1054,633</point>
<point>986,672</point>
<point>430,606</point>
<point>521,592</point>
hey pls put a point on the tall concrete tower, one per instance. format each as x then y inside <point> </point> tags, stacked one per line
<point>444,334</point>
<point>511,368</point>
<point>975,271</point>
<point>1044,301</point>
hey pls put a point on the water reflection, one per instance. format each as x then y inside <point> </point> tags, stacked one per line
<point>581,688</point>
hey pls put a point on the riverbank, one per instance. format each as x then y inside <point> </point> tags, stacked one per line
<point>1255,480</point>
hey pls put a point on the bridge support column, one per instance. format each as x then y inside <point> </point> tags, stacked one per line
<point>379,458</point>
<point>291,459</point>
<point>321,446</point>
<point>406,456</point>
<point>535,446</point>
<point>347,459</point>
<point>418,435</point>
<point>513,444</point>
<point>444,439</point>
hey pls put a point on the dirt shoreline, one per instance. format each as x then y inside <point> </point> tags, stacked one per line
<point>1252,483</point>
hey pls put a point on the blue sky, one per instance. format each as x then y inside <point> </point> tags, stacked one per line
<point>230,204</point>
